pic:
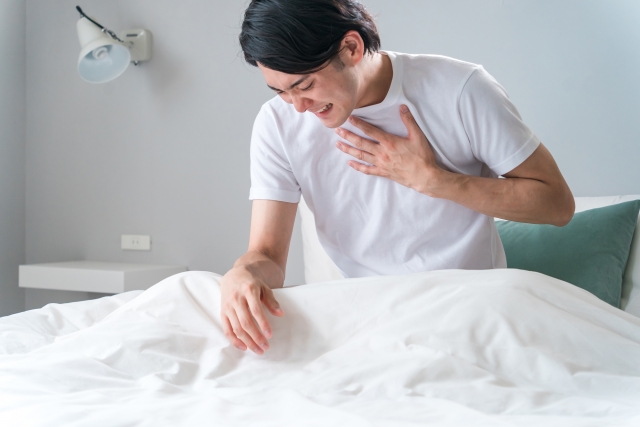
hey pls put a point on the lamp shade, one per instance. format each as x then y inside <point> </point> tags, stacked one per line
<point>101,58</point>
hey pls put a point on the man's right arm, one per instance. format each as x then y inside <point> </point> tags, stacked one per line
<point>246,288</point>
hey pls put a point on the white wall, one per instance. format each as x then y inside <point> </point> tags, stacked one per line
<point>163,150</point>
<point>12,171</point>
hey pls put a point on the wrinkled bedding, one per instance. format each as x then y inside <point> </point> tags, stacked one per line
<point>497,347</point>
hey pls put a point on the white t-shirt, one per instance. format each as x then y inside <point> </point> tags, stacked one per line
<point>370,225</point>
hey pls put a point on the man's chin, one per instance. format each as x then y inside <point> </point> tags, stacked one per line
<point>332,122</point>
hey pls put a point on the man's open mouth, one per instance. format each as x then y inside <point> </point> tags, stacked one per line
<point>325,109</point>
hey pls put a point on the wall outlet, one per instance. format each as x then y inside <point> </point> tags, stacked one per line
<point>135,242</point>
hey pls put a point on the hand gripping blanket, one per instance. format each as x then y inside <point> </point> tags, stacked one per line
<point>444,348</point>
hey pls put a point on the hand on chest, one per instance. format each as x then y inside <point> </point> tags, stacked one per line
<point>404,156</point>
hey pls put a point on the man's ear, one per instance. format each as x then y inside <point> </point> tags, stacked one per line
<point>351,48</point>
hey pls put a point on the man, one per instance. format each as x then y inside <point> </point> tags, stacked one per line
<point>404,159</point>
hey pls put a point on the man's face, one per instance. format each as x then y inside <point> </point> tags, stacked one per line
<point>330,94</point>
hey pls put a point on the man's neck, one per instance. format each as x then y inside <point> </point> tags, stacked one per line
<point>376,76</point>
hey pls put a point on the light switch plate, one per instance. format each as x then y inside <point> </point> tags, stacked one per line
<point>135,242</point>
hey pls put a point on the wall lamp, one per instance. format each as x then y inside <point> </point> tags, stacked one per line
<point>104,55</point>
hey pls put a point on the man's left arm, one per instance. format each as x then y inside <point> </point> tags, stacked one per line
<point>533,192</point>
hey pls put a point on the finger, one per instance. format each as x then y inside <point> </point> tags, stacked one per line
<point>241,333</point>
<point>410,123</point>
<point>228,332</point>
<point>357,153</point>
<point>270,302</point>
<point>255,307</point>
<point>365,169</point>
<point>246,321</point>
<point>370,130</point>
<point>358,141</point>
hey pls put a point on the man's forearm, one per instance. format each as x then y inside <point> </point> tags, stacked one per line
<point>263,267</point>
<point>515,199</point>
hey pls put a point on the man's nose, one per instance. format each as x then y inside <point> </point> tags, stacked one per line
<point>301,103</point>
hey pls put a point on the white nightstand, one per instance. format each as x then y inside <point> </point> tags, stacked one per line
<point>92,276</point>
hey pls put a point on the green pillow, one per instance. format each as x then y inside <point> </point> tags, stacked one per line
<point>590,252</point>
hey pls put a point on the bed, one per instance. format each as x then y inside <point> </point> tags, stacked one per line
<point>446,348</point>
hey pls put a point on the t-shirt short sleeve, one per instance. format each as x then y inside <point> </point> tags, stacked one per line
<point>271,174</point>
<point>498,136</point>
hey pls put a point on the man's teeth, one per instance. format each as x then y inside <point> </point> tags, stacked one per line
<point>325,108</point>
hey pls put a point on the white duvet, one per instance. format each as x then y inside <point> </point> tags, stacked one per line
<point>500,347</point>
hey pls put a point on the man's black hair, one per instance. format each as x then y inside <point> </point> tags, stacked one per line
<point>302,36</point>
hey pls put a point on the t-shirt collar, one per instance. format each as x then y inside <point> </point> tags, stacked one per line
<point>392,94</point>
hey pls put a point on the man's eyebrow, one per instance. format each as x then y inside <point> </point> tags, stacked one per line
<point>296,83</point>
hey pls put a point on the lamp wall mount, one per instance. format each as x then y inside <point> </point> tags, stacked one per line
<point>139,43</point>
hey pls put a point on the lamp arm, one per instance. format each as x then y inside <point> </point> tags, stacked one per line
<point>102,28</point>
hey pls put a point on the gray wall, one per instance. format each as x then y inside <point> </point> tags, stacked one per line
<point>12,171</point>
<point>163,149</point>
<point>570,66</point>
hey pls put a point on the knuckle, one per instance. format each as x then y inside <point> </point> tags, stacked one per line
<point>256,310</point>
<point>253,302</point>
<point>247,287</point>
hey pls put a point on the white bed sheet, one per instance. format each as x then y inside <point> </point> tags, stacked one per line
<point>497,347</point>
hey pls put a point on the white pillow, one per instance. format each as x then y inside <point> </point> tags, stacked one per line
<point>318,267</point>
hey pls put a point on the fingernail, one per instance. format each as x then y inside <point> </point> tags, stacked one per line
<point>243,347</point>
<point>404,108</point>
<point>339,144</point>
<point>339,131</point>
<point>267,334</point>
<point>265,346</point>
